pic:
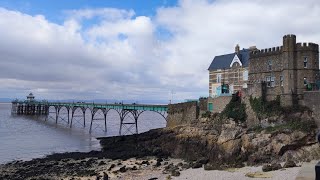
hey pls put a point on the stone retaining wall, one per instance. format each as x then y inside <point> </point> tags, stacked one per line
<point>312,100</point>
<point>182,113</point>
<point>219,103</point>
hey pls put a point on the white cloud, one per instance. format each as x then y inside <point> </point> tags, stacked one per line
<point>113,53</point>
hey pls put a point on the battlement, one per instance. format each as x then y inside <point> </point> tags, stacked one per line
<point>307,46</point>
<point>292,36</point>
<point>266,52</point>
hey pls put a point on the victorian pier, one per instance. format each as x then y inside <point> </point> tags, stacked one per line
<point>98,112</point>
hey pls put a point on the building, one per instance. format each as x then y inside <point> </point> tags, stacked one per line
<point>30,97</point>
<point>228,73</point>
<point>285,71</point>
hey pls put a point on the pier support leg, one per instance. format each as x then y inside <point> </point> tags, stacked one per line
<point>105,122</point>
<point>57,115</point>
<point>72,114</point>
<point>84,118</point>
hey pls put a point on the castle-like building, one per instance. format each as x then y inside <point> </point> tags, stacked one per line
<point>285,71</point>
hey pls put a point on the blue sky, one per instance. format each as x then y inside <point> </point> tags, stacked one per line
<point>54,9</point>
<point>135,49</point>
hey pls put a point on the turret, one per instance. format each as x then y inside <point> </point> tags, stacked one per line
<point>237,49</point>
<point>289,73</point>
<point>289,42</point>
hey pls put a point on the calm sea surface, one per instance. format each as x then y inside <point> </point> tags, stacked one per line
<point>24,138</point>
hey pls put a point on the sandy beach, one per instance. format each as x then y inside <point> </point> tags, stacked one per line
<point>239,174</point>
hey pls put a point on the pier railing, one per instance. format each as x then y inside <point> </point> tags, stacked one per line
<point>124,110</point>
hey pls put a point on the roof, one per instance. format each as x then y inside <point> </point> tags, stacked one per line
<point>224,61</point>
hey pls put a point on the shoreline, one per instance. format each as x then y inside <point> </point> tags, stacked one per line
<point>86,166</point>
<point>165,153</point>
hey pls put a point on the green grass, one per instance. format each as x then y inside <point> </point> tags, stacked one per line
<point>294,125</point>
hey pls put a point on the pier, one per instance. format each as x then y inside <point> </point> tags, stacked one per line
<point>98,112</point>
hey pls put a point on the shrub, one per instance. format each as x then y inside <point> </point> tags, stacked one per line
<point>235,110</point>
<point>265,108</point>
<point>207,114</point>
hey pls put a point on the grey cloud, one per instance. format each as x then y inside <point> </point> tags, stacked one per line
<point>86,62</point>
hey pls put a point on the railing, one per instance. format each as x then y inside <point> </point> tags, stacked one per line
<point>93,105</point>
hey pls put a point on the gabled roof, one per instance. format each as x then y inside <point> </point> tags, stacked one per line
<point>224,61</point>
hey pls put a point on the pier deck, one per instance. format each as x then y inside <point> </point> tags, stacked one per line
<point>37,108</point>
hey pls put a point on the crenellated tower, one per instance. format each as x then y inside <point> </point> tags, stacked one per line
<point>288,71</point>
<point>288,96</point>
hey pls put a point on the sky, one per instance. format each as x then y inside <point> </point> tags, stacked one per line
<point>135,50</point>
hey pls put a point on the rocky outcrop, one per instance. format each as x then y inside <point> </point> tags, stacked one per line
<point>227,144</point>
<point>212,143</point>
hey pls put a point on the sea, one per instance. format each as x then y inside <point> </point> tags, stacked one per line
<point>28,137</point>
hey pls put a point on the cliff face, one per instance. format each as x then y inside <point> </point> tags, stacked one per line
<point>223,142</point>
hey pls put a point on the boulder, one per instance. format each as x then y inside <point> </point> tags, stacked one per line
<point>175,173</point>
<point>228,134</point>
<point>196,165</point>
<point>231,147</point>
<point>289,164</point>
<point>271,167</point>
<point>209,167</point>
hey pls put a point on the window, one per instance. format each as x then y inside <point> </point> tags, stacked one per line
<point>269,65</point>
<point>245,75</point>
<point>305,81</point>
<point>270,81</point>
<point>305,62</point>
<point>281,80</point>
<point>218,78</point>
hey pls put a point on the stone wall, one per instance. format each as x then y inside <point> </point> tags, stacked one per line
<point>312,101</point>
<point>219,103</point>
<point>182,113</point>
<point>203,105</point>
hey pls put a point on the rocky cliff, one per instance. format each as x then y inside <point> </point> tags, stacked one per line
<point>223,143</point>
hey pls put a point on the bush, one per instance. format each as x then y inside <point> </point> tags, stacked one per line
<point>207,114</point>
<point>235,110</point>
<point>265,108</point>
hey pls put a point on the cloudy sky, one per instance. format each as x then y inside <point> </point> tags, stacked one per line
<point>139,50</point>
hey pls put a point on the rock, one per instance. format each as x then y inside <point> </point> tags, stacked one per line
<point>145,162</point>
<point>228,134</point>
<point>185,166</point>
<point>196,165</point>
<point>101,163</point>
<point>105,176</point>
<point>175,173</point>
<point>180,164</point>
<point>159,160</point>
<point>123,169</point>
<point>153,178</point>
<point>209,167</point>
<point>271,167</point>
<point>258,175</point>
<point>134,168</point>
<point>158,164</point>
<point>111,167</point>
<point>231,147</point>
<point>203,161</point>
<point>289,164</point>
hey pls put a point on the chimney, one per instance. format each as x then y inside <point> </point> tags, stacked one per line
<point>237,49</point>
